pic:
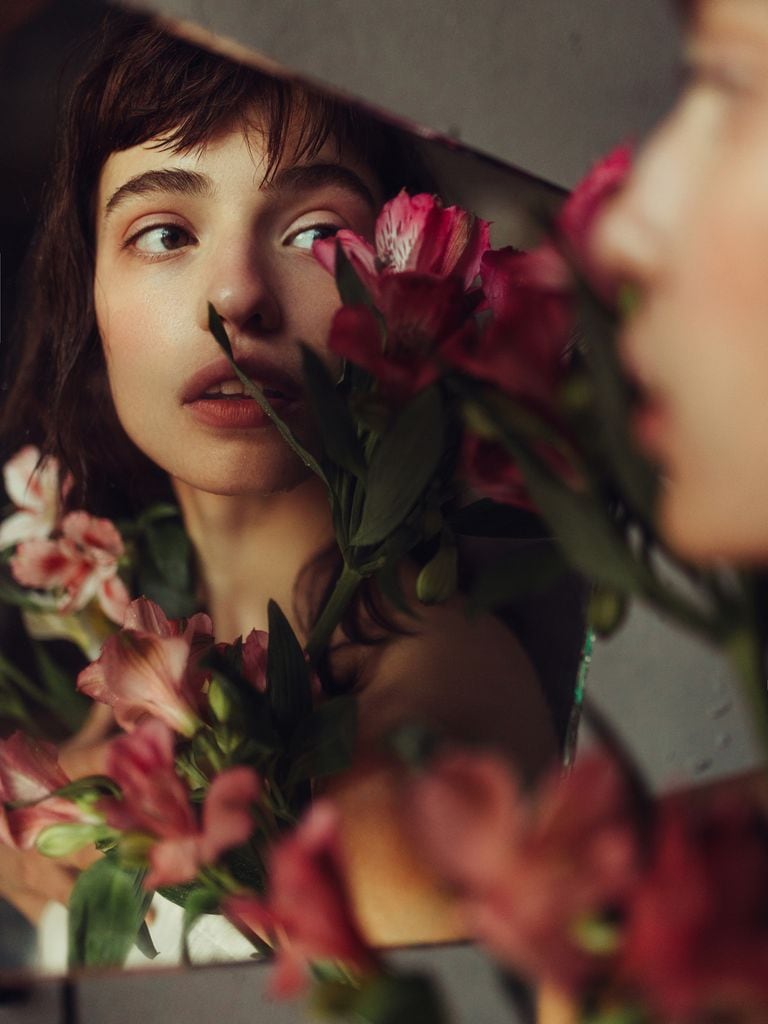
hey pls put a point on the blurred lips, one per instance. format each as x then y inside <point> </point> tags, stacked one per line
<point>202,393</point>
<point>649,420</point>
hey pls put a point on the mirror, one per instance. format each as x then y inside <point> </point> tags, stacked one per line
<point>491,189</point>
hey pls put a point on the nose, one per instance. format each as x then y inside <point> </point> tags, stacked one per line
<point>240,284</point>
<point>631,238</point>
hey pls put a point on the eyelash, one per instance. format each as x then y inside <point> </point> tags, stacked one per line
<point>330,228</point>
<point>327,230</point>
<point>131,243</point>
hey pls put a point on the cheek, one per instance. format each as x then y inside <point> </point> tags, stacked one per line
<point>312,301</point>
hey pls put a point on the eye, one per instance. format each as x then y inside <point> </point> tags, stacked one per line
<point>304,238</point>
<point>160,239</point>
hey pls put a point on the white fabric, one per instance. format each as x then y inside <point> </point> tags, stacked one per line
<point>212,939</point>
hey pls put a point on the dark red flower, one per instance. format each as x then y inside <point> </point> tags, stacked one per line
<point>421,316</point>
<point>488,468</point>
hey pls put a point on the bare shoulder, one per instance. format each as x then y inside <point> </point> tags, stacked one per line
<point>466,675</point>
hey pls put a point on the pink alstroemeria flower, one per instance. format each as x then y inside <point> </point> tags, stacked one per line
<point>418,274</point>
<point>308,907</point>
<point>82,563</point>
<point>156,802</point>
<point>35,490</point>
<point>151,668</point>
<point>30,773</point>
<point>413,234</point>
<point>528,870</point>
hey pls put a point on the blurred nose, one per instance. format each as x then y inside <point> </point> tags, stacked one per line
<point>632,237</point>
<point>240,284</point>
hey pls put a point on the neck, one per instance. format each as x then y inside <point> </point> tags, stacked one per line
<point>252,548</point>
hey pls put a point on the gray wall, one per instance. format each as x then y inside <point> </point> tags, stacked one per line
<point>545,85</point>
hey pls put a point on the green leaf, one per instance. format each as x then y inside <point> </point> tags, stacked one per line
<point>530,569</point>
<point>169,548</point>
<point>400,999</point>
<point>106,910</point>
<point>582,526</point>
<point>323,743</point>
<point>216,328</point>
<point>486,518</point>
<point>70,706</point>
<point>288,684</point>
<point>401,467</point>
<point>90,785</point>
<point>337,428</point>
<point>144,942</point>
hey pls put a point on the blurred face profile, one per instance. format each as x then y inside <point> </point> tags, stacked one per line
<point>690,233</point>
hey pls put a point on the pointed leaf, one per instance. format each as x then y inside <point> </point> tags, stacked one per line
<point>323,743</point>
<point>106,910</point>
<point>401,467</point>
<point>288,684</point>
<point>337,428</point>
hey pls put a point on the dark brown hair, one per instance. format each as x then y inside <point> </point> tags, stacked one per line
<point>141,84</point>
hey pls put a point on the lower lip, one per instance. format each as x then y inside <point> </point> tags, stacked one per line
<point>236,413</point>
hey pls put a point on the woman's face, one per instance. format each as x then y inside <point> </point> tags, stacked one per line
<point>176,231</point>
<point>690,231</point>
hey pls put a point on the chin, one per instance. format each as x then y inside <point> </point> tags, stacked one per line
<point>711,532</point>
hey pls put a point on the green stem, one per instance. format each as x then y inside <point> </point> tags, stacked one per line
<point>746,653</point>
<point>331,615</point>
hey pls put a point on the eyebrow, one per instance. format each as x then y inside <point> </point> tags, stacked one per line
<point>168,179</point>
<point>309,177</point>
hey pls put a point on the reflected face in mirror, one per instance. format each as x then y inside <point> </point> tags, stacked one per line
<point>176,230</point>
<point>690,231</point>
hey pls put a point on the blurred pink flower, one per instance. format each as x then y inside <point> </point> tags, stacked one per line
<point>696,937</point>
<point>36,491</point>
<point>82,563</point>
<point>30,773</point>
<point>156,802</point>
<point>489,469</point>
<point>151,668</point>
<point>580,211</point>
<point>413,234</point>
<point>528,869</point>
<point>308,906</point>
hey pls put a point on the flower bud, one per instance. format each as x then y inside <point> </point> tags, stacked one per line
<point>61,840</point>
<point>219,702</point>
<point>606,612</point>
